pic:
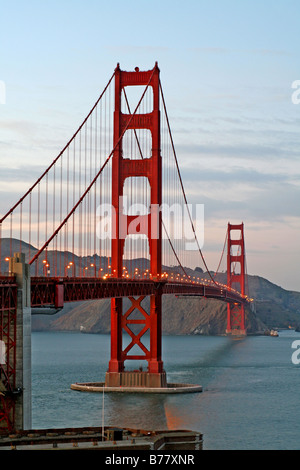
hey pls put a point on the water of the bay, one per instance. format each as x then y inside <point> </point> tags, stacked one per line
<point>250,397</point>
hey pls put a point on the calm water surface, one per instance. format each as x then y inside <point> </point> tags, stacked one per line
<point>250,397</point>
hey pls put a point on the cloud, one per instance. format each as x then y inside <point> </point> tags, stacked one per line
<point>24,173</point>
<point>130,49</point>
<point>211,50</point>
<point>269,52</point>
<point>21,127</point>
<point>243,193</point>
<point>235,175</point>
<point>256,151</point>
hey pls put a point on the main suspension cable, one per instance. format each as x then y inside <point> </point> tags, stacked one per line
<point>222,254</point>
<point>95,178</point>
<point>181,183</point>
<point>60,154</point>
<point>163,224</point>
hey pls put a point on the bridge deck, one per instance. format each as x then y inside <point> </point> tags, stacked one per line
<point>55,291</point>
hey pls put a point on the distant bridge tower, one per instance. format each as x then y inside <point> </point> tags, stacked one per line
<point>236,278</point>
<point>149,225</point>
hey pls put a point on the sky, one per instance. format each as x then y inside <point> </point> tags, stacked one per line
<point>227,69</point>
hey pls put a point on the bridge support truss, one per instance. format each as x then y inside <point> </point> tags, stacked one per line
<point>149,225</point>
<point>236,279</point>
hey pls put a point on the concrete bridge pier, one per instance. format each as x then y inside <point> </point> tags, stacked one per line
<point>23,407</point>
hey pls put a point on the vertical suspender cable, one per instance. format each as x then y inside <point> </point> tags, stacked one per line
<point>182,187</point>
<point>94,179</point>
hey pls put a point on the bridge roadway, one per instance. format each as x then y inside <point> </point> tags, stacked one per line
<point>54,292</point>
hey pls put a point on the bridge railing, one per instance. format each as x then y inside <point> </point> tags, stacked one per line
<point>55,292</point>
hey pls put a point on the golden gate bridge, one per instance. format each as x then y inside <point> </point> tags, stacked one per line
<point>109,218</point>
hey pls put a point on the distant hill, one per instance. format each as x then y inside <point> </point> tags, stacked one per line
<point>275,307</point>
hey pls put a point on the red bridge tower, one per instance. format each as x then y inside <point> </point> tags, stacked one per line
<point>236,279</point>
<point>150,225</point>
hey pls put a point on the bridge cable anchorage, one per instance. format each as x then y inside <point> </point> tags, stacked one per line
<point>182,187</point>
<point>95,178</point>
